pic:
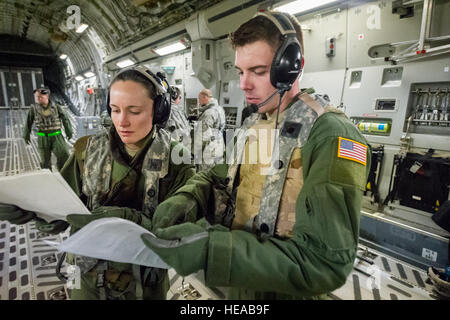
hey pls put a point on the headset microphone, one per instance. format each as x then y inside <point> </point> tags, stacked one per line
<point>255,107</point>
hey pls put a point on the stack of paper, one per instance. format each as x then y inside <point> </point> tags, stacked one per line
<point>44,192</point>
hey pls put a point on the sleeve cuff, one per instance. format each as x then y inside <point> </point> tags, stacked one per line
<point>218,267</point>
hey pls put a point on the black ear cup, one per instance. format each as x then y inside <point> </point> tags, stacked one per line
<point>287,62</point>
<point>161,110</point>
<point>286,65</point>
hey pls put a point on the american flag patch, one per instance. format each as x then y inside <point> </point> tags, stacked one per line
<point>352,150</point>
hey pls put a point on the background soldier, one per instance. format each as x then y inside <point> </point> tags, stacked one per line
<point>178,123</point>
<point>212,124</point>
<point>48,117</point>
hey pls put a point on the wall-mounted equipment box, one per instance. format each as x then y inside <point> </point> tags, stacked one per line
<point>330,47</point>
<point>428,109</point>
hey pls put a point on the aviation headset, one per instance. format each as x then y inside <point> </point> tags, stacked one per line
<point>161,103</point>
<point>287,64</point>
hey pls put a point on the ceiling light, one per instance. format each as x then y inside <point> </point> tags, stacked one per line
<point>81,28</point>
<point>125,63</point>
<point>174,47</point>
<point>63,56</point>
<point>79,78</point>
<point>89,74</point>
<point>302,5</point>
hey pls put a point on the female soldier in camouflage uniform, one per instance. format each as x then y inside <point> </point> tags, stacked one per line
<point>124,172</point>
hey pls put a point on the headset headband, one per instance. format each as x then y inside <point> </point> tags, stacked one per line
<point>161,106</point>
<point>283,24</point>
<point>160,84</point>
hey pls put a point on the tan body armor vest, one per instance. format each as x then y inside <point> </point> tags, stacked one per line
<point>276,214</point>
<point>46,119</point>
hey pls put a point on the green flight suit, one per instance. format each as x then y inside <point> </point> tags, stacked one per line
<point>50,138</point>
<point>126,173</point>
<point>319,256</point>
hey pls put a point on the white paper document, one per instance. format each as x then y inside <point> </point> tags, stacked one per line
<point>113,239</point>
<point>44,192</point>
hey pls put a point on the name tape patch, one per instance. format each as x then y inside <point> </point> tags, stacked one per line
<point>352,150</point>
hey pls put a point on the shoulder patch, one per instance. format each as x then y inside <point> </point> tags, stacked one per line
<point>352,150</point>
<point>351,172</point>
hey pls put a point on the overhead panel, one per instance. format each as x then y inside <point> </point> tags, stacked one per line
<point>145,54</point>
<point>221,19</point>
<point>142,50</point>
<point>223,22</point>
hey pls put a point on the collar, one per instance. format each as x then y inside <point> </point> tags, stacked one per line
<point>47,107</point>
<point>273,116</point>
<point>212,102</point>
<point>119,152</point>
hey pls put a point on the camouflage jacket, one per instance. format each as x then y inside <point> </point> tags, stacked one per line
<point>319,256</point>
<point>179,126</point>
<point>101,173</point>
<point>208,135</point>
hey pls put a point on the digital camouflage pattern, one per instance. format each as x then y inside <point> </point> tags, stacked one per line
<point>179,125</point>
<point>98,166</point>
<point>155,167</point>
<point>295,128</point>
<point>97,157</point>
<point>97,169</point>
<point>211,145</point>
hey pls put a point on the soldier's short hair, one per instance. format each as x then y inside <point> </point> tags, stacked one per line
<point>261,28</point>
<point>206,92</point>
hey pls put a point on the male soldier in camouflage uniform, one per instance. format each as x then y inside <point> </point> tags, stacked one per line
<point>283,229</point>
<point>48,117</point>
<point>209,144</point>
<point>178,124</point>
